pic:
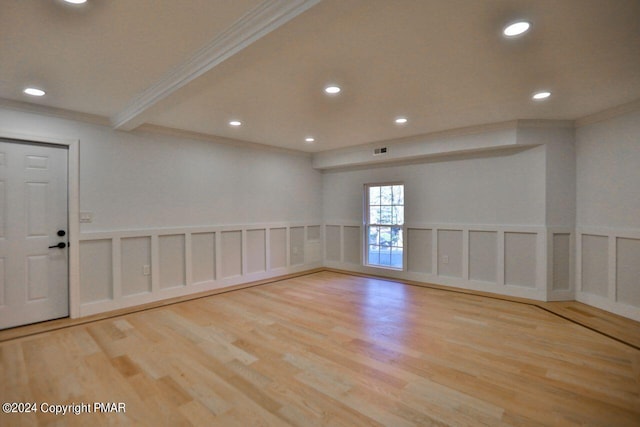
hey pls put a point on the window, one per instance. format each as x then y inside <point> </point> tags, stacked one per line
<point>384,217</point>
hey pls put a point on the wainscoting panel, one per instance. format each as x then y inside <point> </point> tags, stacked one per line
<point>419,250</point>
<point>595,258</point>
<point>313,245</point>
<point>561,280</point>
<point>172,265</point>
<point>297,243</point>
<point>628,271</point>
<point>526,261</point>
<point>203,257</point>
<point>333,243</point>
<point>352,247</point>
<point>231,254</point>
<point>450,253</point>
<point>520,259</point>
<point>459,255</point>
<point>136,265</point>
<point>608,269</point>
<point>314,233</point>
<point>125,268</point>
<point>96,270</point>
<point>256,251</point>
<point>278,247</point>
<point>483,256</point>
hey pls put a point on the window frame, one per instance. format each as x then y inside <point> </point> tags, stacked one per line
<point>366,225</point>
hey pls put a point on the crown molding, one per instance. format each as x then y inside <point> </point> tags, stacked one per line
<point>261,20</point>
<point>60,113</point>
<point>609,113</point>
<point>545,124</point>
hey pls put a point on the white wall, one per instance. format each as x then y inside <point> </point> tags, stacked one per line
<point>608,214</point>
<point>608,173</point>
<point>560,204</point>
<point>163,182</point>
<point>560,167</point>
<point>476,221</point>
<point>189,207</point>
<point>142,180</point>
<point>156,199</point>
<point>500,189</point>
<point>469,140</point>
<point>497,220</point>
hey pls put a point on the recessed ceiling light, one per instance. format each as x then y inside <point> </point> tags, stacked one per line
<point>401,120</point>
<point>34,91</point>
<point>235,123</point>
<point>332,90</point>
<point>309,139</point>
<point>516,28</point>
<point>541,95</point>
<point>76,1</point>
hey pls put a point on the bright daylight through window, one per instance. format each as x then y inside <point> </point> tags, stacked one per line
<point>384,213</point>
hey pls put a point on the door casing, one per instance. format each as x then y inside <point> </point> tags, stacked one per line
<point>73,208</point>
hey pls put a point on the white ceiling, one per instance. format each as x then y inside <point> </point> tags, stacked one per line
<point>196,64</point>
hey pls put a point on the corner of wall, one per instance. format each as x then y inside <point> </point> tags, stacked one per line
<point>607,248</point>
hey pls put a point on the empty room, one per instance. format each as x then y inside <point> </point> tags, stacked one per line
<point>320,212</point>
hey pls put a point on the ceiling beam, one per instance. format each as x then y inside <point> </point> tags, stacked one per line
<point>261,20</point>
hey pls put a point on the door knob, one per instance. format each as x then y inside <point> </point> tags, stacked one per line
<point>61,233</point>
<point>60,245</point>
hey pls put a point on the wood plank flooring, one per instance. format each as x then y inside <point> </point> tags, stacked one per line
<point>328,349</point>
<point>611,324</point>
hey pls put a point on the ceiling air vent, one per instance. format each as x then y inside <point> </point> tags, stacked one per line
<point>380,151</point>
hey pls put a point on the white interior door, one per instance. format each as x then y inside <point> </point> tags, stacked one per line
<point>33,215</point>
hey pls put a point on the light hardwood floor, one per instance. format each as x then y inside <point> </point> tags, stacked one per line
<point>328,349</point>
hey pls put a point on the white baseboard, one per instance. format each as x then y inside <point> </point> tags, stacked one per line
<point>606,304</point>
